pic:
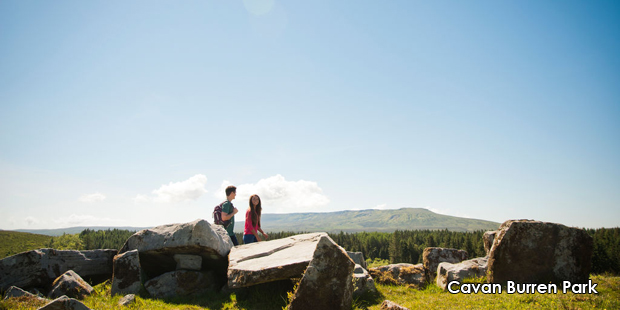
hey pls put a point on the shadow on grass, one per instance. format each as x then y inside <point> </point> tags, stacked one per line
<point>368,299</point>
<point>265,296</point>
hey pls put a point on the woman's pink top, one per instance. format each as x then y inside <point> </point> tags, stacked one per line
<point>248,229</point>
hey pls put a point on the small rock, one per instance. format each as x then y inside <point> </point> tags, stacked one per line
<point>433,256</point>
<point>71,285</point>
<point>65,303</point>
<point>390,305</point>
<point>15,291</point>
<point>473,268</point>
<point>358,258</point>
<point>127,300</point>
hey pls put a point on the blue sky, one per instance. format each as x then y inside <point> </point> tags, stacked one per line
<point>139,113</point>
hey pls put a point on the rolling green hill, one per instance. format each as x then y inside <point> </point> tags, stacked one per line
<point>370,220</point>
<point>12,242</point>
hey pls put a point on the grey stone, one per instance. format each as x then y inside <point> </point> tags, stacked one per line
<point>362,281</point>
<point>65,303</point>
<point>433,256</point>
<point>448,272</point>
<point>39,268</point>
<point>70,284</point>
<point>188,262</point>
<point>15,291</point>
<point>181,283</point>
<point>488,239</point>
<point>358,258</point>
<point>327,282</point>
<point>273,260</point>
<point>157,246</point>
<point>390,305</point>
<point>527,251</point>
<point>127,277</point>
<point>127,300</point>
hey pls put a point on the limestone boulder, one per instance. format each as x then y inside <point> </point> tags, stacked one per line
<point>400,274</point>
<point>273,260</point>
<point>157,246</point>
<point>327,282</point>
<point>65,303</point>
<point>433,256</point>
<point>448,272</point>
<point>70,284</point>
<point>181,283</point>
<point>488,239</point>
<point>39,268</point>
<point>526,251</point>
<point>358,258</point>
<point>127,277</point>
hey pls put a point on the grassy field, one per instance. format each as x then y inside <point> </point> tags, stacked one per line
<point>275,297</point>
<point>12,242</point>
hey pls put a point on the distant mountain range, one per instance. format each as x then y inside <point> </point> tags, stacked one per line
<point>346,221</point>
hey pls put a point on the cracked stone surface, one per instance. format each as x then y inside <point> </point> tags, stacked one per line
<point>274,260</point>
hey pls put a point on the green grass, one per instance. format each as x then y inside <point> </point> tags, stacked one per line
<point>432,297</point>
<point>12,242</point>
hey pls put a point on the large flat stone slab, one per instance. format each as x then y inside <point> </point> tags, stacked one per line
<point>274,260</point>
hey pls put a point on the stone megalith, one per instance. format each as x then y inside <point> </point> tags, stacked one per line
<point>158,246</point>
<point>273,260</point>
<point>39,268</point>
<point>433,256</point>
<point>71,285</point>
<point>527,251</point>
<point>327,282</point>
<point>127,277</point>
<point>448,272</point>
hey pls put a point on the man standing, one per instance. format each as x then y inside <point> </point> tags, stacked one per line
<point>229,211</point>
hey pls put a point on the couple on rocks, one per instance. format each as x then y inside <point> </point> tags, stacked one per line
<point>252,218</point>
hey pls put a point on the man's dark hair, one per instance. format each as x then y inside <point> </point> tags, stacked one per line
<point>230,189</point>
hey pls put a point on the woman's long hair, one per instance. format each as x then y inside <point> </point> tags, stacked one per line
<point>255,211</point>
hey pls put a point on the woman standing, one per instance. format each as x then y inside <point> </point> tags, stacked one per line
<point>252,222</point>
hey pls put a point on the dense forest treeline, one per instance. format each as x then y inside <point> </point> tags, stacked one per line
<point>398,247</point>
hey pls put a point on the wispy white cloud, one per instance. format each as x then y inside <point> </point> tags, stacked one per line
<point>85,220</point>
<point>31,221</point>
<point>279,195</point>
<point>188,190</point>
<point>92,197</point>
<point>382,206</point>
